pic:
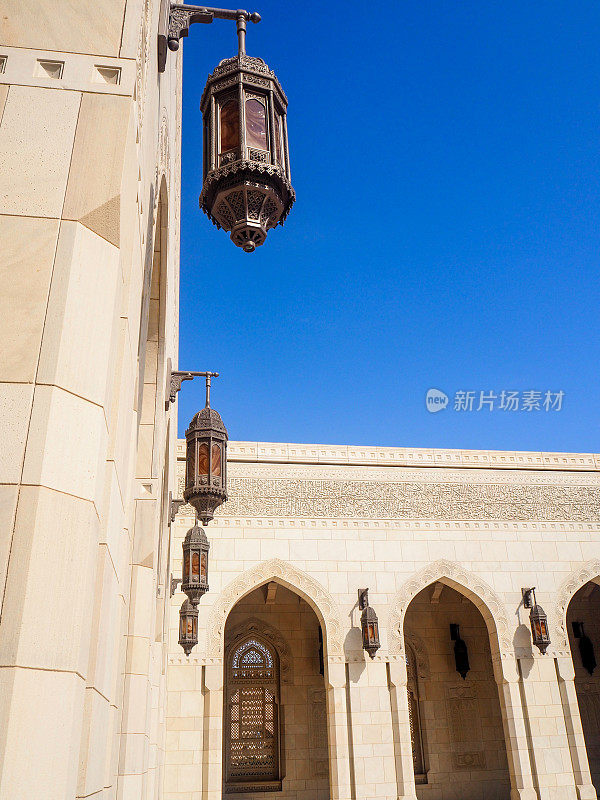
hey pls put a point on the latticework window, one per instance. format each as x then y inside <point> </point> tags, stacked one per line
<point>251,735</point>
<point>416,735</point>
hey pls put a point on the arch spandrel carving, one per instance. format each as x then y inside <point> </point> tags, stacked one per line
<point>292,578</point>
<point>467,583</point>
<point>569,587</point>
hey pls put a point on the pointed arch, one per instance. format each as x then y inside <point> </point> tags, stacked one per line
<point>259,627</point>
<point>468,584</point>
<point>569,587</point>
<point>310,590</point>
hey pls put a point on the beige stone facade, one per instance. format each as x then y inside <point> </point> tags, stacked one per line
<point>89,207</point>
<point>440,538</point>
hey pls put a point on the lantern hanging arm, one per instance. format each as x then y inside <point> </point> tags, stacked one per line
<point>176,18</point>
<point>175,378</point>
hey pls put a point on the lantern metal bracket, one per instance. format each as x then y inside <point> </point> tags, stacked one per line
<point>174,584</point>
<point>176,18</point>
<point>528,596</point>
<point>175,379</point>
<point>363,599</point>
<point>174,505</point>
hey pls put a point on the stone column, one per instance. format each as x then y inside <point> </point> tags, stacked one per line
<point>137,702</point>
<point>212,762</point>
<point>549,747</point>
<point>372,734</point>
<point>568,695</point>
<point>405,775</point>
<point>337,732</point>
<point>515,731</point>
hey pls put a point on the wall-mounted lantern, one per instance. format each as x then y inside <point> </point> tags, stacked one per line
<point>188,626</point>
<point>461,654</point>
<point>195,564</point>
<point>246,167</point>
<point>205,489</point>
<point>369,624</point>
<point>586,647</point>
<point>206,461</point>
<point>537,619</point>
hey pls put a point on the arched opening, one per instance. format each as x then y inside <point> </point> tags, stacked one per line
<point>275,718</point>
<point>457,735</point>
<point>583,626</point>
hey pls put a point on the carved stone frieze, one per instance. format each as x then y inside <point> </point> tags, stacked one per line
<point>309,498</point>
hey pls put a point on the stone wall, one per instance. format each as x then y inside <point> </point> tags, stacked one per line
<point>326,521</point>
<point>89,143</point>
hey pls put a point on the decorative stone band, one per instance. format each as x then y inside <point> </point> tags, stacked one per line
<point>253,497</point>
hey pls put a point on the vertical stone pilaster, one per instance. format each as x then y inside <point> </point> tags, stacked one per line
<point>212,764</point>
<point>337,732</point>
<point>371,726</point>
<point>515,732</point>
<point>405,775</point>
<point>565,674</point>
<point>550,756</point>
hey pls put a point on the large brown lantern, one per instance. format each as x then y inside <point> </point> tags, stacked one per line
<point>206,461</point>
<point>247,189</point>
<point>195,564</point>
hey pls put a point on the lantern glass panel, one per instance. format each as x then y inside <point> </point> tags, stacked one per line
<point>278,140</point>
<point>186,565</point>
<point>202,458</point>
<point>190,626</point>
<point>195,566</point>
<point>230,126</point>
<point>191,463</point>
<point>216,460</point>
<point>256,124</point>
<point>203,566</point>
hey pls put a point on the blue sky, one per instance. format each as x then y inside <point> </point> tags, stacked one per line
<point>446,234</point>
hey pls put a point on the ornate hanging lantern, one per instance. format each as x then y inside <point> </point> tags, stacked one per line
<point>461,654</point>
<point>538,620</point>
<point>195,564</point>
<point>206,461</point>
<point>188,626</point>
<point>247,189</point>
<point>369,624</point>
